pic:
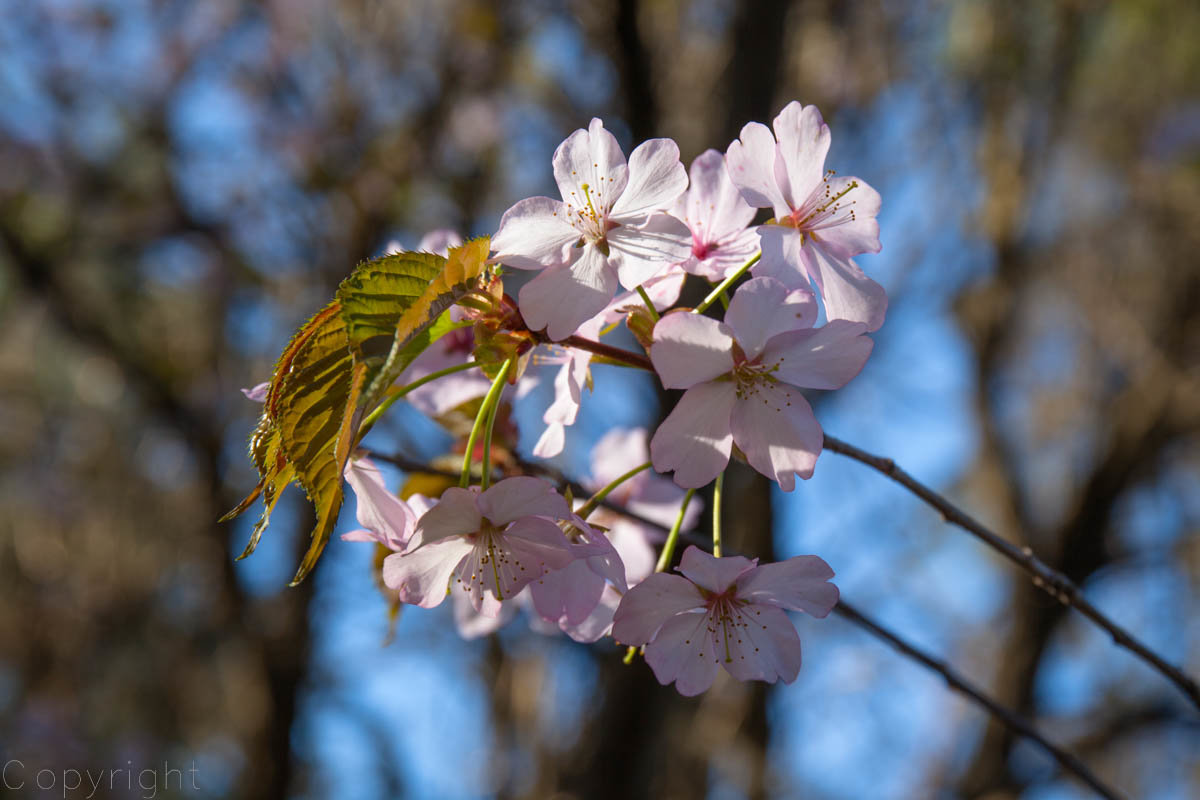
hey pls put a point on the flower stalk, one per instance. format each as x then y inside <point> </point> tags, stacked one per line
<point>485,412</point>
<point>668,551</point>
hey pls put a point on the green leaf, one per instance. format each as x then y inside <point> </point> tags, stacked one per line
<point>422,287</point>
<point>339,365</point>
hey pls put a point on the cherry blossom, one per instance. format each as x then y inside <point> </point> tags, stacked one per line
<point>821,221</point>
<point>610,227</point>
<point>493,543</point>
<point>741,377</point>
<point>718,218</point>
<point>727,612</point>
<point>563,600</point>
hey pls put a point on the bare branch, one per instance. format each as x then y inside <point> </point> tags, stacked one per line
<point>1009,719</point>
<point>1050,580</point>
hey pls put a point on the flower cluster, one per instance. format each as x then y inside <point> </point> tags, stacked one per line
<point>617,246</point>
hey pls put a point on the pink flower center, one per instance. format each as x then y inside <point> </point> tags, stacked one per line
<point>824,208</point>
<point>751,376</point>
<point>489,555</point>
<point>727,622</point>
<point>590,216</point>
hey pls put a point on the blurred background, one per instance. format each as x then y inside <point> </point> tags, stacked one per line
<point>182,184</point>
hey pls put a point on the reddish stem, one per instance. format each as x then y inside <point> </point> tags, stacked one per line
<point>608,351</point>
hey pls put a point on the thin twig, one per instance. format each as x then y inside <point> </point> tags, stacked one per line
<point>959,684</point>
<point>1050,580</point>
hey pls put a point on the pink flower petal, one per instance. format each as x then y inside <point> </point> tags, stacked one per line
<point>535,233</point>
<point>656,178</point>
<point>568,595</point>
<point>849,236</point>
<point>689,349</point>
<point>561,299</point>
<point>781,258</point>
<point>713,207</point>
<point>629,539</point>
<point>422,577</point>
<point>803,143</point>
<point>448,393</point>
<point>762,308</point>
<point>684,652</point>
<point>847,291</point>
<point>724,256</point>
<point>377,508</point>
<point>663,290</point>
<point>820,358</point>
<point>514,498</point>
<point>751,164</point>
<point>552,441</point>
<point>760,643</point>
<point>472,624</point>
<point>695,438</point>
<point>605,561</point>
<point>592,157</point>
<point>259,393</point>
<point>777,431</point>
<point>439,241</point>
<point>712,573</point>
<point>598,623</point>
<point>646,607</point>
<point>640,252</point>
<point>455,515</point>
<point>528,549</point>
<point>616,452</point>
<point>801,583</point>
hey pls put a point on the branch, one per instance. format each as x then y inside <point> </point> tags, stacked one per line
<point>1011,720</point>
<point>1050,580</point>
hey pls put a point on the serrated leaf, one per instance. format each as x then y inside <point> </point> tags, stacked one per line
<point>422,286</point>
<point>337,366</point>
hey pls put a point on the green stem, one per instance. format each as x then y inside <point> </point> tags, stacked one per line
<point>649,305</point>
<point>485,478</point>
<point>480,418</point>
<point>382,408</point>
<point>716,525</point>
<point>724,298</point>
<point>725,284</point>
<point>668,551</point>
<point>595,500</point>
